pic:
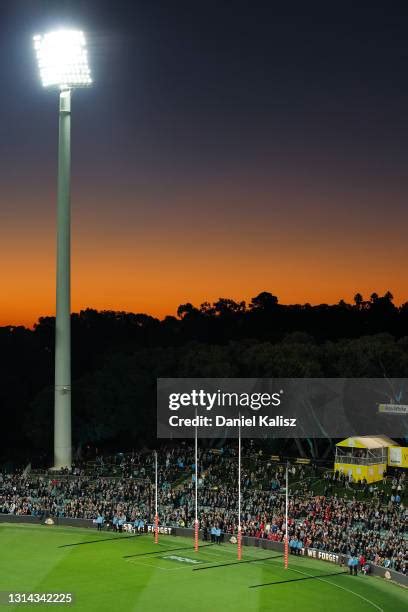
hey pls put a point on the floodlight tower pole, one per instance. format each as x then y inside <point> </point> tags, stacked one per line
<point>62,391</point>
<point>239,493</point>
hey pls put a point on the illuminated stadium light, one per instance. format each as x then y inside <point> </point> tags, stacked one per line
<point>63,63</point>
<point>63,59</point>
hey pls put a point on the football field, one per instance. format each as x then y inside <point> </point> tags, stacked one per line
<point>108,572</point>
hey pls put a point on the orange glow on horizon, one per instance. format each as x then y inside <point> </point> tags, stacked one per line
<point>154,277</point>
<point>137,260</point>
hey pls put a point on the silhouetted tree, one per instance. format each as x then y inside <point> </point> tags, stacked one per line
<point>117,357</point>
<point>264,301</point>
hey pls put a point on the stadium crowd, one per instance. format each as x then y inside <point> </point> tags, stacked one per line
<point>119,491</point>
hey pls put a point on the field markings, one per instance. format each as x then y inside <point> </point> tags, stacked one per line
<point>332,584</point>
<point>154,566</point>
<point>232,550</point>
<point>164,550</point>
<point>136,558</point>
<point>218,554</point>
<point>261,562</point>
<point>196,569</point>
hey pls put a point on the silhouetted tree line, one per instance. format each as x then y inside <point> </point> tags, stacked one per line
<point>117,356</point>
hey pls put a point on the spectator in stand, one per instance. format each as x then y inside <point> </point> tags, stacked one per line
<point>375,529</point>
<point>366,569</point>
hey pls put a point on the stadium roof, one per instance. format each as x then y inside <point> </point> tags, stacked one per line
<point>368,442</point>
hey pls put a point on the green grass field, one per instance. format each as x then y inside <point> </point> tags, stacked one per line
<point>108,572</point>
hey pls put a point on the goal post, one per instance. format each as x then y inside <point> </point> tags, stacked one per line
<point>196,525</point>
<point>156,513</point>
<point>239,539</point>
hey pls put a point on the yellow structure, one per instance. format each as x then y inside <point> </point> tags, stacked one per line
<point>363,457</point>
<point>398,456</point>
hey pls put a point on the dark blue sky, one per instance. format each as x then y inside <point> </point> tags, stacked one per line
<point>234,125</point>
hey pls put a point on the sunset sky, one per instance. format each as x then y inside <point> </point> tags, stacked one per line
<point>226,148</point>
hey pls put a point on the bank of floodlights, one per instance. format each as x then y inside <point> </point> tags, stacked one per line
<point>63,59</point>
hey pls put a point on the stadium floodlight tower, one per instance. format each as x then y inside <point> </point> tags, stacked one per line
<point>63,64</point>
